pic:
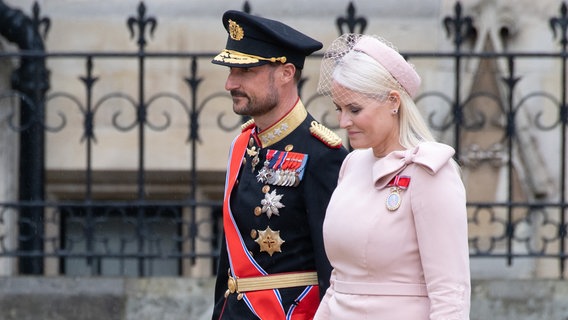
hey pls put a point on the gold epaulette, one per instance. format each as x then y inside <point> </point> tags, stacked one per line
<point>247,125</point>
<point>325,135</point>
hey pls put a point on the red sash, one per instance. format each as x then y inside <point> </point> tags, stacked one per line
<point>266,304</point>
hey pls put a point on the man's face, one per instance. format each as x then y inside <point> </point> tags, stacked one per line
<point>253,90</point>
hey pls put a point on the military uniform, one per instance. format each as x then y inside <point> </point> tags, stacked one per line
<point>272,262</point>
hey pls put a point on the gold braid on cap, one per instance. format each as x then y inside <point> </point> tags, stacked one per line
<point>272,59</point>
<point>325,135</point>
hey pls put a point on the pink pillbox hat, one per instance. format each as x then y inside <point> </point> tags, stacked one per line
<point>389,58</point>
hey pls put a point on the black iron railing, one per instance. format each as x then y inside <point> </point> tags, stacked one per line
<point>134,233</point>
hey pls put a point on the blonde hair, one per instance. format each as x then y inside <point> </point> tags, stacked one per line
<point>362,74</point>
<point>413,127</point>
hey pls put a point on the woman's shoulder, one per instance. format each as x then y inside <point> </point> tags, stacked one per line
<point>357,160</point>
<point>431,156</point>
<point>361,156</point>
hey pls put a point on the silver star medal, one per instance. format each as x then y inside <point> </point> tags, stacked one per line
<point>271,203</point>
<point>264,173</point>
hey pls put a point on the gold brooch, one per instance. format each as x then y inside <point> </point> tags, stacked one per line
<point>235,31</point>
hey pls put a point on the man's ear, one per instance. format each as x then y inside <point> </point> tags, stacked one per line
<point>288,72</point>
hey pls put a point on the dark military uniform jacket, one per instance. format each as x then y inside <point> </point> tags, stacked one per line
<point>277,203</point>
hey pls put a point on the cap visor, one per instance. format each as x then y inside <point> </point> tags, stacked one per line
<point>236,59</point>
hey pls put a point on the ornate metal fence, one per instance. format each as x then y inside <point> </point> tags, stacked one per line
<point>135,236</point>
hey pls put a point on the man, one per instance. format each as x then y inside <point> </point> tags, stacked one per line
<point>282,170</point>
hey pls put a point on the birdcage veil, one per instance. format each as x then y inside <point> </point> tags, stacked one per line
<point>365,64</point>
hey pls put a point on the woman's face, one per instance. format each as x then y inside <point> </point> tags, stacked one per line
<point>371,122</point>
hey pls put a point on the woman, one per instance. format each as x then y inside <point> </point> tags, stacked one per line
<point>395,230</point>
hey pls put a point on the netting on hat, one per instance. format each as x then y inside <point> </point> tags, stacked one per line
<point>344,67</point>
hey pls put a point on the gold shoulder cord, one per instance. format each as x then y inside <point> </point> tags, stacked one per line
<point>327,136</point>
<point>247,124</point>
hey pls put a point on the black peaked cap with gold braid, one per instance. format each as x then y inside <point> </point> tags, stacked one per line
<point>254,41</point>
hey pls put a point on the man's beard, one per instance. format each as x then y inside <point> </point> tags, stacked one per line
<point>256,106</point>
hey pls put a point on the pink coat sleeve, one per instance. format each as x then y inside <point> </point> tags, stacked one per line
<point>439,206</point>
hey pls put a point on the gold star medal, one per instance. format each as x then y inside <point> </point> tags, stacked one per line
<point>269,241</point>
<point>397,184</point>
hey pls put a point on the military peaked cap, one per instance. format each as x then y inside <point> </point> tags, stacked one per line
<point>254,41</point>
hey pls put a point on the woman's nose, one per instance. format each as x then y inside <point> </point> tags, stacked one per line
<point>344,120</point>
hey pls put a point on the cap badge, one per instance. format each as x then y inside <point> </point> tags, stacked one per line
<point>235,31</point>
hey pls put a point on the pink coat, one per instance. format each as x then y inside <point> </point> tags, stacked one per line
<point>411,263</point>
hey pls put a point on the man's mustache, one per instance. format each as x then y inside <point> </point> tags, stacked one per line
<point>237,93</point>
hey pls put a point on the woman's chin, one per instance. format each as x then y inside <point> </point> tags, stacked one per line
<point>357,145</point>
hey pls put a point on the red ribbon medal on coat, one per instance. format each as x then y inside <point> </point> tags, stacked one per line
<point>397,184</point>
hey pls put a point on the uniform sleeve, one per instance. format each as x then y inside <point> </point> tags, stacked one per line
<point>439,206</point>
<point>221,280</point>
<point>320,183</point>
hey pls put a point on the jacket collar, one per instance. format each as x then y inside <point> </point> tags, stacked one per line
<point>284,126</point>
<point>429,155</point>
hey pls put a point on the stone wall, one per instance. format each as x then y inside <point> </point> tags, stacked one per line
<point>44,298</point>
<point>54,298</point>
